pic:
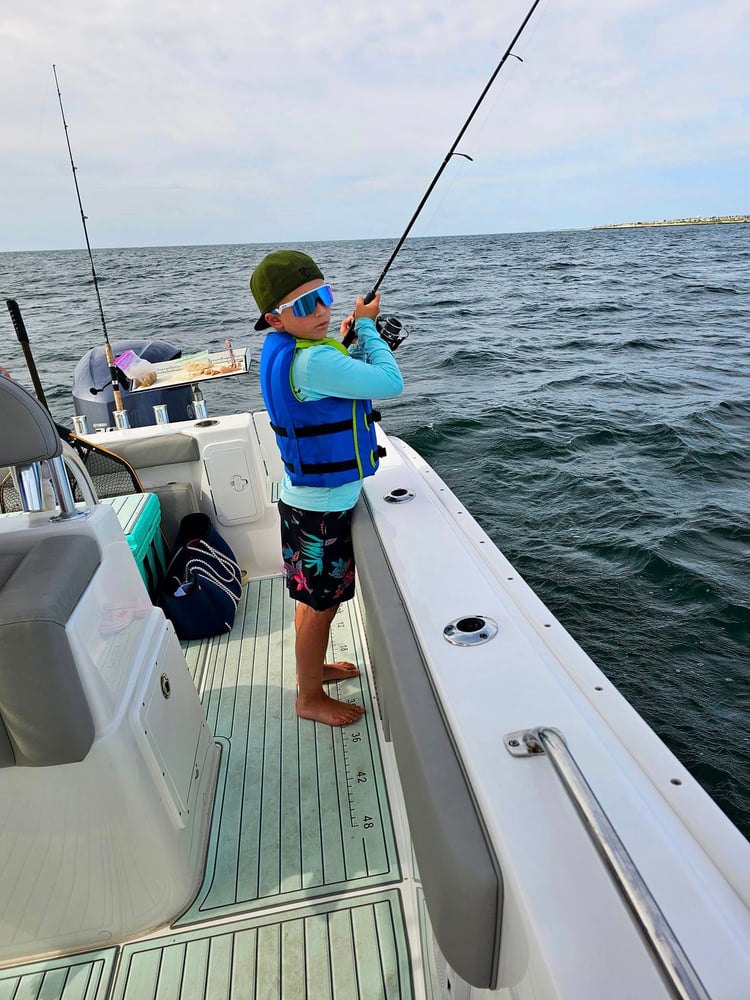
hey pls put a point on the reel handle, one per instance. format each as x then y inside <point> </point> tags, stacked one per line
<point>118,376</point>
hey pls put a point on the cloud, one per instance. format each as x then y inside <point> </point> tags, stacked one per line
<point>238,118</point>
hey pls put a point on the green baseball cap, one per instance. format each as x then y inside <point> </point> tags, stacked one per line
<point>276,276</point>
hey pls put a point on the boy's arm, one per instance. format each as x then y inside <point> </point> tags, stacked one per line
<point>326,371</point>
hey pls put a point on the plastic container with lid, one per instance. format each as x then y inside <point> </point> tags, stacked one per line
<point>136,368</point>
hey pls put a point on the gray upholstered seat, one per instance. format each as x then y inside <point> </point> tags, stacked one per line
<point>34,436</point>
<point>45,717</point>
<point>34,439</point>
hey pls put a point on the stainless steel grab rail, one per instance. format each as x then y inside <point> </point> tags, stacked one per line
<point>669,954</point>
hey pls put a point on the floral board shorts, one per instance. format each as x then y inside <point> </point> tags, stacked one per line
<point>318,555</point>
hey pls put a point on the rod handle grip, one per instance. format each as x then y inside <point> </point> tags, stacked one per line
<point>349,335</point>
<point>18,323</point>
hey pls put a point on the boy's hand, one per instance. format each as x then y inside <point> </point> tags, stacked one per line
<point>369,311</point>
<point>346,326</point>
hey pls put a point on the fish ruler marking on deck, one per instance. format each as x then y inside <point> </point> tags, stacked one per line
<point>301,808</point>
<point>359,755</point>
<point>74,977</point>
<point>335,950</point>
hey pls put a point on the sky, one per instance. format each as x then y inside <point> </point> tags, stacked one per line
<point>238,121</point>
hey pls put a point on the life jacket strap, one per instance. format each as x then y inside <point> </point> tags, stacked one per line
<point>314,429</point>
<point>334,428</point>
<point>322,467</point>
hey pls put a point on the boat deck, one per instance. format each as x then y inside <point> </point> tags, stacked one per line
<point>304,895</point>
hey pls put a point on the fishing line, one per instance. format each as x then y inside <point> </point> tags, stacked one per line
<point>457,175</point>
<point>507,88</point>
<point>113,370</point>
<point>390,328</point>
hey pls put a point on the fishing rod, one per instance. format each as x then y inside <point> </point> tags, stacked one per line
<point>23,340</point>
<point>390,328</point>
<point>116,378</point>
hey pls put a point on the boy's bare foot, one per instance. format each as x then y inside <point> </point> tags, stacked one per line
<point>329,710</point>
<point>341,670</point>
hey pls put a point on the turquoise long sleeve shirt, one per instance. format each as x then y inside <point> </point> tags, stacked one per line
<point>369,371</point>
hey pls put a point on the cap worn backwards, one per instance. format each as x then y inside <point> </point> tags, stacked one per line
<point>278,274</point>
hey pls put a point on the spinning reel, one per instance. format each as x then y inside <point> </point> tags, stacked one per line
<point>391,330</point>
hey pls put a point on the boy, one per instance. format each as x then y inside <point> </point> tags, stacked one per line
<point>319,397</point>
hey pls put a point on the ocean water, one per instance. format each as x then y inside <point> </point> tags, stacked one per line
<point>586,394</point>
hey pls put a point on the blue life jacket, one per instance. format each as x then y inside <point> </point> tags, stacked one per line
<point>323,442</point>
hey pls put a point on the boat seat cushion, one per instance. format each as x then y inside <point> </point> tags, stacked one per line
<point>164,449</point>
<point>43,708</point>
<point>34,434</point>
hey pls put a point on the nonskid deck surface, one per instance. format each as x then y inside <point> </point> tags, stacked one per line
<point>303,807</point>
<point>301,895</point>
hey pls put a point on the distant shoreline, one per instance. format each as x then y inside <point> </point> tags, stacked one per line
<point>712,220</point>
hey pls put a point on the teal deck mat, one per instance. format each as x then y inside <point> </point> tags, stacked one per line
<point>332,951</point>
<point>75,977</point>
<point>270,844</point>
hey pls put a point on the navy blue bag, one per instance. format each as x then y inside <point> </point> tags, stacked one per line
<point>203,582</point>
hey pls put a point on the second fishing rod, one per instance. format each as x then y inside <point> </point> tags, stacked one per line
<point>391,329</point>
<point>116,377</point>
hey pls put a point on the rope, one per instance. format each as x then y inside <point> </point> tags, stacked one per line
<point>212,564</point>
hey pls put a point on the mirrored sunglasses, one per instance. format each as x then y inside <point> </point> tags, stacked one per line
<point>305,305</point>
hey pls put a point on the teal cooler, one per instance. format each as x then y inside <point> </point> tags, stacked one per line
<point>139,515</point>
